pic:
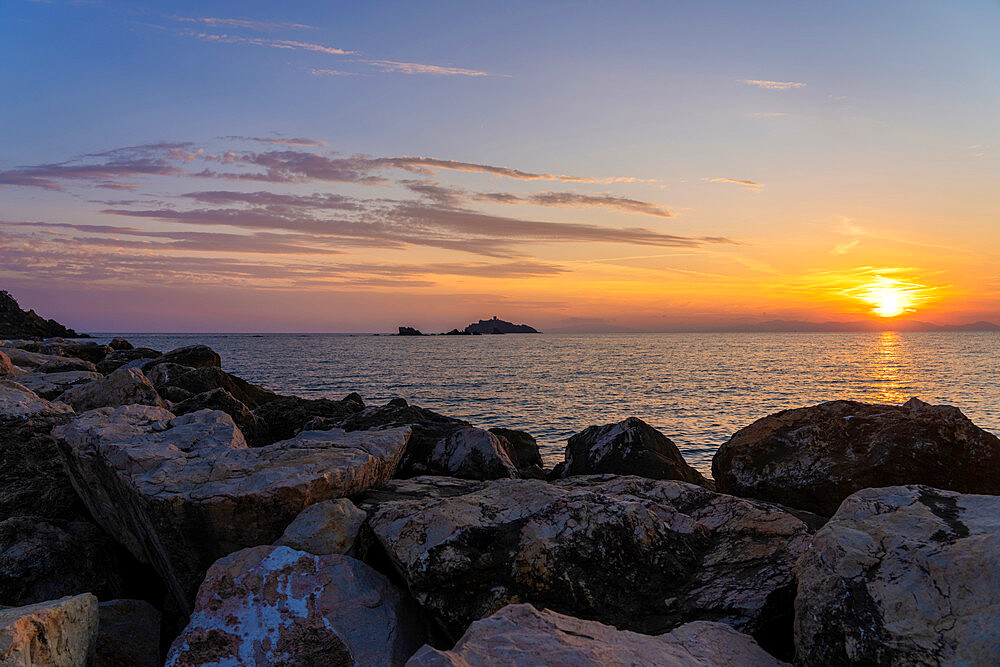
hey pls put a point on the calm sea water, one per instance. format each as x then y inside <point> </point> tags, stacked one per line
<point>696,388</point>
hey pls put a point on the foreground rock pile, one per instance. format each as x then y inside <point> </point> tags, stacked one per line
<point>155,509</point>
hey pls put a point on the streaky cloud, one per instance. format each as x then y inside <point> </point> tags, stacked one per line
<point>736,181</point>
<point>291,141</point>
<point>774,85</point>
<point>249,24</point>
<point>420,68</point>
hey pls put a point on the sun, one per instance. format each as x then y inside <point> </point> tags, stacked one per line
<point>888,297</point>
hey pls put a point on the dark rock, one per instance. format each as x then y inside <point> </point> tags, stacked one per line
<point>199,380</point>
<point>630,447</point>
<point>415,488</point>
<point>902,575</point>
<point>33,480</point>
<point>287,415</point>
<point>409,331</point>
<point>193,356</point>
<point>119,358</point>
<point>66,365</point>
<point>128,634</point>
<point>639,554</point>
<point>456,332</point>
<point>6,367</point>
<point>16,323</point>
<point>88,351</point>
<point>44,559</point>
<point>524,451</point>
<point>812,458</point>
<point>119,343</point>
<point>253,428</point>
<point>498,326</point>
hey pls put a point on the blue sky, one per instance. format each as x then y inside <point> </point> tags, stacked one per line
<point>865,123</point>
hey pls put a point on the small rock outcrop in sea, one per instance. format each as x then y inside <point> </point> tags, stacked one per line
<point>180,492</point>
<point>812,458</point>
<point>640,554</point>
<point>630,447</point>
<point>409,331</point>
<point>128,634</point>
<point>57,632</point>
<point>498,326</point>
<point>275,605</point>
<point>521,636</point>
<point>903,575</point>
<point>17,323</point>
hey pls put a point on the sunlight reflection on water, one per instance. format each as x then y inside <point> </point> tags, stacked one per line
<point>696,388</point>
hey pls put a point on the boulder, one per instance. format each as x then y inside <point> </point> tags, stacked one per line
<point>33,480</point>
<point>119,358</point>
<point>181,492</point>
<point>903,575</point>
<point>193,381</point>
<point>812,458</point>
<point>128,634</point>
<point>34,360</point>
<point>630,447</point>
<point>329,527</point>
<point>472,453</point>
<point>639,554</point>
<point>192,356</point>
<point>414,488</point>
<point>123,387</point>
<point>65,365</point>
<point>6,366</point>
<point>287,415</point>
<point>51,385</point>
<point>86,350</point>
<point>45,558</point>
<point>276,605</point>
<point>520,635</point>
<point>524,452</point>
<point>19,402</point>
<point>251,426</point>
<point>58,632</point>
<point>118,343</point>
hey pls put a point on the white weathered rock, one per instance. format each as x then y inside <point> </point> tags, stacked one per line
<point>52,385</point>
<point>472,453</point>
<point>276,605</point>
<point>58,633</point>
<point>521,636</point>
<point>181,492</point>
<point>123,387</point>
<point>128,634</point>
<point>17,401</point>
<point>329,527</point>
<point>32,360</point>
<point>640,554</point>
<point>904,575</point>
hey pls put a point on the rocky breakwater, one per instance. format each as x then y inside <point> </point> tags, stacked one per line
<point>234,525</point>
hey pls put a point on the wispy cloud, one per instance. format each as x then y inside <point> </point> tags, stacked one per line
<point>225,38</point>
<point>242,23</point>
<point>426,163</point>
<point>323,71</point>
<point>736,181</point>
<point>115,170</point>
<point>419,68</point>
<point>768,114</point>
<point>294,141</point>
<point>774,85</point>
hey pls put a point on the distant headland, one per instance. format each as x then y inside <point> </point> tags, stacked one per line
<point>17,323</point>
<point>480,328</point>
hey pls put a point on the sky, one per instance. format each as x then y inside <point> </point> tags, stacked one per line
<point>578,166</point>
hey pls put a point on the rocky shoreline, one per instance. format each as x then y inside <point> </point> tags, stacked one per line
<point>155,509</point>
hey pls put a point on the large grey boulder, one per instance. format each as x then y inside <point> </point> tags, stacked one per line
<point>128,634</point>
<point>36,360</point>
<point>521,636</point>
<point>639,554</point>
<point>181,492</point>
<point>629,447</point>
<point>60,633</point>
<point>903,575</point>
<point>51,385</point>
<point>812,458</point>
<point>192,356</point>
<point>329,527</point>
<point>126,386</point>
<point>275,605</point>
<point>251,426</point>
<point>472,453</point>
<point>19,402</point>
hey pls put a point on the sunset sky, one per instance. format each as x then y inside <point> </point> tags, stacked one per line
<point>313,166</point>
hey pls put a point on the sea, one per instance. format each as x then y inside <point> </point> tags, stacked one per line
<point>697,389</point>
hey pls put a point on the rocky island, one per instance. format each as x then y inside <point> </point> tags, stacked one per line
<point>155,509</point>
<point>480,328</point>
